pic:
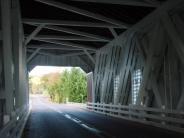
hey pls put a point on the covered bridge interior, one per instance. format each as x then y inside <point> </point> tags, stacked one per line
<point>134,49</point>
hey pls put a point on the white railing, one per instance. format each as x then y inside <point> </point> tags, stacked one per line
<point>13,129</point>
<point>169,119</point>
<point>76,104</point>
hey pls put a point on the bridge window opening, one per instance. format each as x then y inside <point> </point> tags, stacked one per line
<point>59,84</point>
<point>136,82</point>
<point>116,85</point>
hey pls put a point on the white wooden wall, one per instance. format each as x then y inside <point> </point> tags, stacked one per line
<point>156,46</point>
<point>13,69</point>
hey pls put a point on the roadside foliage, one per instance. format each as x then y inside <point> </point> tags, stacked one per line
<point>68,86</point>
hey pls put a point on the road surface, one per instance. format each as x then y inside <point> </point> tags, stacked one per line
<point>50,120</point>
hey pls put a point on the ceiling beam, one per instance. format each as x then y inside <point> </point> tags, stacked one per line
<point>113,32</point>
<point>89,55</point>
<point>69,38</point>
<point>41,53</point>
<point>68,44</point>
<point>33,54</point>
<point>33,34</point>
<point>68,23</point>
<point>61,55</point>
<point>52,46</point>
<point>83,12</point>
<point>144,3</point>
<point>76,32</point>
<point>75,54</point>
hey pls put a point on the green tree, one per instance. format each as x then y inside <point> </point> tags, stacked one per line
<point>78,84</point>
<point>70,85</point>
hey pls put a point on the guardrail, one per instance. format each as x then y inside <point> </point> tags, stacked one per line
<point>77,105</point>
<point>13,129</point>
<point>164,118</point>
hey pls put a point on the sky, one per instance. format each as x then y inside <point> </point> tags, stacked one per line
<point>42,70</point>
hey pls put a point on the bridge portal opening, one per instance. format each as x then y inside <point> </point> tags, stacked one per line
<point>59,84</point>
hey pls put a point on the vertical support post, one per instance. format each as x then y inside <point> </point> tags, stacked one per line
<point>119,109</point>
<point>27,88</point>
<point>103,108</point>
<point>110,107</point>
<point>93,92</point>
<point>129,111</point>
<point>7,53</point>
<point>17,47</point>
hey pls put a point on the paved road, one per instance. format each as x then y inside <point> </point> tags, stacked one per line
<point>48,120</point>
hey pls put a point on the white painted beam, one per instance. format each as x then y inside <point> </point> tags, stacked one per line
<point>69,23</point>
<point>113,32</point>
<point>33,55</point>
<point>83,12</point>
<point>157,46</point>
<point>52,46</point>
<point>33,34</point>
<point>89,55</point>
<point>8,56</point>
<point>174,35</point>
<point>75,32</point>
<point>125,2</point>
<point>60,55</point>
<point>68,44</point>
<point>70,38</point>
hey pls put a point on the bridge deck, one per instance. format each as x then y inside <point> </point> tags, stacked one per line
<point>49,120</point>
